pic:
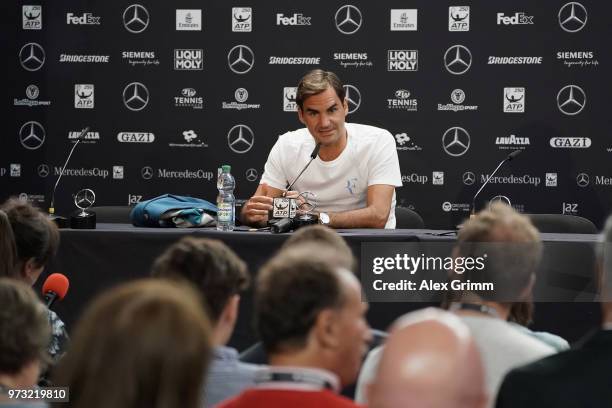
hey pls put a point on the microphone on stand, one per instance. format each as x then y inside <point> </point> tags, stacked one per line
<point>508,158</point>
<point>313,156</point>
<point>55,288</point>
<point>60,221</point>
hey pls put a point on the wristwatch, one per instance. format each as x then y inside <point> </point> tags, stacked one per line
<point>323,218</point>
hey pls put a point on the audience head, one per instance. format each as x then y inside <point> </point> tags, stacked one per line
<point>308,311</point>
<point>320,234</point>
<point>215,270</point>
<point>316,82</point>
<point>142,344</point>
<point>28,240</point>
<point>429,360</point>
<point>24,334</point>
<point>512,250</point>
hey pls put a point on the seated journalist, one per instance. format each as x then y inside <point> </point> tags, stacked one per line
<point>356,171</point>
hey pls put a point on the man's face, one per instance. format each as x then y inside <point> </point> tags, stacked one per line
<point>324,114</point>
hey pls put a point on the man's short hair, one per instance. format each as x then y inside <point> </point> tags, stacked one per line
<point>24,327</point>
<point>316,82</point>
<point>216,271</point>
<point>512,246</point>
<point>319,234</point>
<point>292,289</point>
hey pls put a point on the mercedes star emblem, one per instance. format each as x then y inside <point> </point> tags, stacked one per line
<point>572,17</point>
<point>32,135</point>
<point>135,96</point>
<point>500,199</point>
<point>240,59</point>
<point>240,139</point>
<point>43,170</point>
<point>146,173</point>
<point>469,178</point>
<point>582,180</point>
<point>571,99</point>
<point>456,141</point>
<point>348,19</point>
<point>32,57</point>
<point>84,199</point>
<point>457,59</point>
<point>353,97</point>
<point>251,174</point>
<point>135,18</point>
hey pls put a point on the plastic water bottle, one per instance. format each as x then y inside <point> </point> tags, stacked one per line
<point>226,202</point>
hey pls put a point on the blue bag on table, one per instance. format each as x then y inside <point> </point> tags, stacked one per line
<point>171,210</point>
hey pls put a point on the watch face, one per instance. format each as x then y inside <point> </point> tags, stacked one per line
<point>324,218</point>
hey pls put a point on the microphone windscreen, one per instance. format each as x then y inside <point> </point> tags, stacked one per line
<point>514,154</point>
<point>58,283</point>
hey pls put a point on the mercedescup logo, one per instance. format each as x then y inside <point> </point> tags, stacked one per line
<point>415,178</point>
<point>32,17</point>
<point>457,97</point>
<point>83,96</point>
<point>188,60</point>
<point>519,18</point>
<point>402,101</point>
<point>32,92</point>
<point>188,99</point>
<point>289,104</point>
<point>241,95</point>
<point>298,19</point>
<point>403,60</point>
<point>143,58</point>
<point>459,18</point>
<point>185,174</point>
<point>90,137</point>
<point>514,100</point>
<point>352,59</point>
<point>403,19</point>
<point>188,20</point>
<point>512,142</point>
<point>83,19</point>
<point>512,179</point>
<point>82,172</point>
<point>570,142</point>
<point>242,19</point>
<point>577,58</point>
<point>405,143</point>
<point>135,137</point>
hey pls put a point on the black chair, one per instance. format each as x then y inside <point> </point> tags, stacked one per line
<point>562,224</point>
<point>405,218</point>
<point>112,214</point>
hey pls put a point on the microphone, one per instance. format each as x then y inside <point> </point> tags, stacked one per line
<point>61,221</point>
<point>282,225</point>
<point>508,158</point>
<point>54,288</point>
<point>313,156</point>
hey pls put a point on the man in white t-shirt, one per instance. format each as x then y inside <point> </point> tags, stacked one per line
<point>356,171</point>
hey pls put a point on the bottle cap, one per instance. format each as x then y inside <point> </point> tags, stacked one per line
<point>226,168</point>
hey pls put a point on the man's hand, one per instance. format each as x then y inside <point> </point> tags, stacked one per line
<point>255,210</point>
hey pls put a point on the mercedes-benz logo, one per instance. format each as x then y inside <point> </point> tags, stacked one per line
<point>469,178</point>
<point>582,180</point>
<point>456,141</point>
<point>84,199</point>
<point>135,18</point>
<point>147,173</point>
<point>135,96</point>
<point>500,199</point>
<point>32,57</point>
<point>353,97</point>
<point>348,19</point>
<point>32,135</point>
<point>572,17</point>
<point>571,99</point>
<point>240,139</point>
<point>240,59</point>
<point>43,170</point>
<point>457,59</point>
<point>251,174</point>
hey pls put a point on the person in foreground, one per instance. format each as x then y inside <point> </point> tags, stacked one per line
<point>220,276</point>
<point>141,344</point>
<point>579,377</point>
<point>356,171</point>
<point>430,360</point>
<point>311,319</point>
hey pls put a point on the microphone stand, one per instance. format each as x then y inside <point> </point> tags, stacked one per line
<point>507,159</point>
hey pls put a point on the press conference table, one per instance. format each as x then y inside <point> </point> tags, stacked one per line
<point>95,260</point>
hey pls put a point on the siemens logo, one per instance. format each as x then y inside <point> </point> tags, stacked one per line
<point>341,56</point>
<point>575,54</point>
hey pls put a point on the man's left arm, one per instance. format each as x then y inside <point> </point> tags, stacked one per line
<point>374,215</point>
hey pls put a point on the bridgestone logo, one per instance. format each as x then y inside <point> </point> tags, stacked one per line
<point>514,60</point>
<point>84,58</point>
<point>295,60</point>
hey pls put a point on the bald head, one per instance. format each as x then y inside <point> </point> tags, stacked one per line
<point>430,361</point>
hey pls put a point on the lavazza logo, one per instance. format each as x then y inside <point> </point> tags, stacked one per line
<point>82,19</point>
<point>189,99</point>
<point>188,20</point>
<point>580,59</point>
<point>32,92</point>
<point>242,19</point>
<point>457,97</point>
<point>32,17</point>
<point>143,58</point>
<point>512,142</point>
<point>570,142</point>
<point>83,96</point>
<point>402,60</point>
<point>569,208</point>
<point>353,59</point>
<point>518,18</point>
<point>514,100</point>
<point>289,94</point>
<point>294,60</point>
<point>437,178</point>
<point>240,95</point>
<point>191,140</point>
<point>84,58</point>
<point>134,199</point>
<point>135,137</point>
<point>188,59</point>
<point>402,101</point>
<point>404,20</point>
<point>459,18</point>
<point>514,60</point>
<point>405,143</point>
<point>297,19</point>
<point>89,138</point>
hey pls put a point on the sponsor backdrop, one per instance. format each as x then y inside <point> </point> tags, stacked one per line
<point>172,90</point>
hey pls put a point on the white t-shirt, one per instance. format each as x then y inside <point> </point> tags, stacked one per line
<point>369,158</point>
